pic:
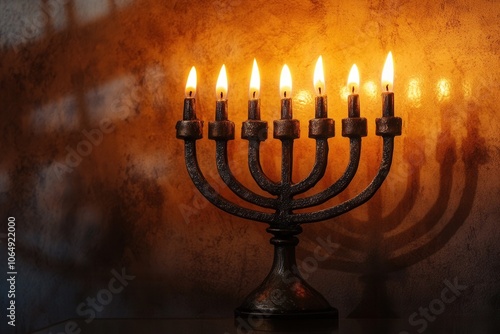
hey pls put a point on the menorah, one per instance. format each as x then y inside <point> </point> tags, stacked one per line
<point>284,294</point>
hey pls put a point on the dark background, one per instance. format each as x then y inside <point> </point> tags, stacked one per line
<point>70,67</point>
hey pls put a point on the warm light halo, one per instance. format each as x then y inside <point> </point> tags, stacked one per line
<point>286,83</point>
<point>254,92</point>
<point>221,88</point>
<point>353,80</point>
<point>319,77</point>
<point>191,83</point>
<point>388,74</point>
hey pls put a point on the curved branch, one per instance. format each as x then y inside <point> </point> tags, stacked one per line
<point>360,199</point>
<point>210,194</point>
<point>256,169</point>
<point>318,170</point>
<point>337,187</point>
<point>233,184</point>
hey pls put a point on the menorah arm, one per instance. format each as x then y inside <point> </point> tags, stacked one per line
<point>256,169</point>
<point>361,198</point>
<point>233,184</point>
<point>211,195</point>
<point>340,184</point>
<point>318,170</point>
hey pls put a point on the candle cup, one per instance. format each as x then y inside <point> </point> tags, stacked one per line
<point>189,112</point>
<point>387,104</point>
<point>190,128</point>
<point>321,107</point>
<point>254,109</point>
<point>353,107</point>
<point>286,108</point>
<point>222,129</point>
<point>221,110</point>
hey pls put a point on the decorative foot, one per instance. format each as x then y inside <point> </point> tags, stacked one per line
<point>285,299</point>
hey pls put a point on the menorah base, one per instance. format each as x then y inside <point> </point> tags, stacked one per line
<point>302,322</point>
<point>285,300</point>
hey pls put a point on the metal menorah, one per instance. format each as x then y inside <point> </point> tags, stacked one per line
<point>284,294</point>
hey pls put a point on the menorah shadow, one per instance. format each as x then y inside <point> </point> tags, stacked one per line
<point>41,61</point>
<point>386,251</point>
<point>76,227</point>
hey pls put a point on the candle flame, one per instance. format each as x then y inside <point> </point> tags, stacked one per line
<point>191,83</point>
<point>285,83</point>
<point>221,88</point>
<point>353,80</point>
<point>388,74</point>
<point>255,81</point>
<point>319,77</point>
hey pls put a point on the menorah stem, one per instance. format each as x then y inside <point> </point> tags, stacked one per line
<point>286,162</point>
<point>285,196</point>
<point>284,243</point>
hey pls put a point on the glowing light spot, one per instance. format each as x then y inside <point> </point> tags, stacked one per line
<point>303,98</point>
<point>414,92</point>
<point>344,92</point>
<point>370,89</point>
<point>443,89</point>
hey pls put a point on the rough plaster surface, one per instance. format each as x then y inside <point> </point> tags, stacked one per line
<point>70,67</point>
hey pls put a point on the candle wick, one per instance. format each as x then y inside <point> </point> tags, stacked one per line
<point>387,87</point>
<point>319,88</point>
<point>284,93</point>
<point>353,89</point>
<point>221,95</point>
<point>254,94</point>
<point>190,93</point>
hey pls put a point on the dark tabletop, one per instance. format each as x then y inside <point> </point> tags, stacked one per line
<point>230,326</point>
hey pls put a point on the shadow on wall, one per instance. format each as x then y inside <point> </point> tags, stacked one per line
<point>391,242</point>
<point>83,204</point>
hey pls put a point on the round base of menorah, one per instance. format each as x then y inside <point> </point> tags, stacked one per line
<point>321,321</point>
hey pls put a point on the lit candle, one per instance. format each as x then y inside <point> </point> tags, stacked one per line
<point>321,107</point>
<point>254,93</point>
<point>387,84</point>
<point>286,93</point>
<point>190,102</point>
<point>221,94</point>
<point>353,109</point>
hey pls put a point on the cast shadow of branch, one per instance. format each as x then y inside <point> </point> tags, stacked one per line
<point>394,241</point>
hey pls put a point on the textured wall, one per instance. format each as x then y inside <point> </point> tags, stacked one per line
<point>116,70</point>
